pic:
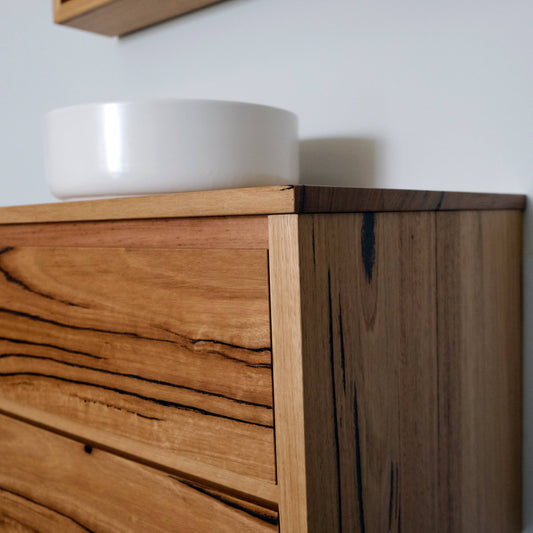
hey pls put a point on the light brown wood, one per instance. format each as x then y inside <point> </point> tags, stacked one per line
<point>480,384</point>
<point>166,347</point>
<point>63,485</point>
<point>258,201</point>
<point>285,303</point>
<point>64,10</point>
<point>251,201</point>
<point>249,232</point>
<point>120,17</point>
<point>355,371</point>
<point>255,490</point>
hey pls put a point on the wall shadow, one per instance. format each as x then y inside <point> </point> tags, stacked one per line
<point>342,161</point>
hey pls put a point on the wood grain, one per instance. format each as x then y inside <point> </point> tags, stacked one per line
<point>480,383</point>
<point>120,17</point>
<point>62,485</point>
<point>263,493</point>
<point>250,232</point>
<point>397,377</point>
<point>166,347</point>
<point>355,372</point>
<point>287,349</point>
<point>258,201</point>
<point>309,199</point>
<point>65,10</point>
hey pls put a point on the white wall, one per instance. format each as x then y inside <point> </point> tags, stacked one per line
<point>407,94</point>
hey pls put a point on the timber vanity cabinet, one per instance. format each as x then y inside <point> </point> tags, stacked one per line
<point>277,358</point>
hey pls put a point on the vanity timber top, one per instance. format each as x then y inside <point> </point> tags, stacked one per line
<point>260,201</point>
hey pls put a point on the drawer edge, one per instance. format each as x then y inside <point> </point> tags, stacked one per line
<point>250,489</point>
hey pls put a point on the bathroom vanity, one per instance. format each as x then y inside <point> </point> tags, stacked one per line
<point>292,358</point>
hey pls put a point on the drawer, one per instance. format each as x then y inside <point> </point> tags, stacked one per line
<point>49,483</point>
<point>167,347</point>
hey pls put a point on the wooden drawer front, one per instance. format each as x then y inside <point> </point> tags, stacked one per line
<point>166,347</point>
<point>49,483</point>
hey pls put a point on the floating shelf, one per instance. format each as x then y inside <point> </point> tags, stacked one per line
<point>120,17</point>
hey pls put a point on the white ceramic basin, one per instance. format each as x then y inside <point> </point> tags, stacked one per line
<point>120,149</point>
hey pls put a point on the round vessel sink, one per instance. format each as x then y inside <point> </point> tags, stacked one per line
<point>135,148</point>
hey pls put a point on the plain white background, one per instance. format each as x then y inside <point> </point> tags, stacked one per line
<point>406,94</point>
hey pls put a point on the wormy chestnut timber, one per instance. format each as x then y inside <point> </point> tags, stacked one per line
<point>167,347</point>
<point>65,486</point>
<point>135,340</point>
<point>397,349</point>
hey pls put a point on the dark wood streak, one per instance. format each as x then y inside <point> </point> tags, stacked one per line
<point>391,495</point>
<point>187,340</point>
<point>341,339</point>
<point>439,203</point>
<point>194,342</point>
<point>272,381</point>
<point>399,521</point>
<point>220,343</point>
<point>398,514</point>
<point>268,518</point>
<point>134,376</point>
<point>313,242</point>
<point>12,279</point>
<point>21,496</point>
<point>53,346</point>
<point>334,398</point>
<point>158,401</point>
<point>368,242</point>
<point>358,463</point>
<point>299,198</point>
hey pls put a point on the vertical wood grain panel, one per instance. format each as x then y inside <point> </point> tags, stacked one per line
<point>359,364</point>
<point>479,303</point>
<point>284,259</point>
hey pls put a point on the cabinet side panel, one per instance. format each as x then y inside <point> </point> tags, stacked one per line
<point>479,325</point>
<point>368,365</point>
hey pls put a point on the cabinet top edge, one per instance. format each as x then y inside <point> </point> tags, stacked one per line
<point>282,199</point>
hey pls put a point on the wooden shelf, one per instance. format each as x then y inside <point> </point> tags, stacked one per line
<point>120,17</point>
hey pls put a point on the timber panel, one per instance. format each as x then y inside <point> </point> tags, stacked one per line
<point>211,232</point>
<point>49,483</point>
<point>397,369</point>
<point>166,347</point>
<point>361,369</point>
<point>480,374</point>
